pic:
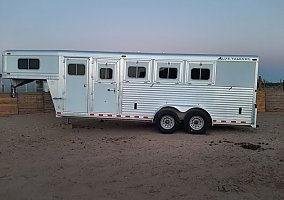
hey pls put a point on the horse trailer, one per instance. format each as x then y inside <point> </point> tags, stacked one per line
<point>168,89</point>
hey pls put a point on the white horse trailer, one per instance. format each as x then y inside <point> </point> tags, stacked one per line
<point>167,89</point>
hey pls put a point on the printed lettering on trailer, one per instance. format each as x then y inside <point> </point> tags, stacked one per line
<point>234,59</point>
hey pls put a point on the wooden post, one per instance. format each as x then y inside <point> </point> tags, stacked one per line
<point>261,100</point>
<point>8,105</point>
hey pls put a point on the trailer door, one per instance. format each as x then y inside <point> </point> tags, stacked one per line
<point>106,87</point>
<point>76,85</point>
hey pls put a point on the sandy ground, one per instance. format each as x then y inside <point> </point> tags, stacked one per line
<point>40,159</point>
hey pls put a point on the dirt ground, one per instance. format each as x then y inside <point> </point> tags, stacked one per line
<point>41,159</point>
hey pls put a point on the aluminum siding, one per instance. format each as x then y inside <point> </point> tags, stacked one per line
<point>222,103</point>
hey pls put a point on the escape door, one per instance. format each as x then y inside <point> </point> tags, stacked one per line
<point>105,88</point>
<point>76,85</point>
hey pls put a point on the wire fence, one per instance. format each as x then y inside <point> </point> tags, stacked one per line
<point>265,85</point>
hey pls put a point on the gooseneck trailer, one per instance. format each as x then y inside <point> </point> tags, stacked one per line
<point>167,89</point>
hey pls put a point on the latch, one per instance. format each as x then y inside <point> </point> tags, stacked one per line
<point>111,90</point>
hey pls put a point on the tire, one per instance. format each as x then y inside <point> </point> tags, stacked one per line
<point>167,121</point>
<point>197,121</point>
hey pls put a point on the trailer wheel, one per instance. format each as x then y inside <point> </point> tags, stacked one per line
<point>197,121</point>
<point>167,121</point>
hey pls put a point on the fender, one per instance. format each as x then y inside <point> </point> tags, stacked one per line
<point>179,108</point>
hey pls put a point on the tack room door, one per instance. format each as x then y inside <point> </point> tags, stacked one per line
<point>76,85</point>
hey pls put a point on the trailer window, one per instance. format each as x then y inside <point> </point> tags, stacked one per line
<point>33,63</point>
<point>72,69</point>
<point>105,73</point>
<point>136,72</point>
<point>168,73</point>
<point>26,63</point>
<point>80,69</point>
<point>23,64</point>
<point>76,69</point>
<point>200,74</point>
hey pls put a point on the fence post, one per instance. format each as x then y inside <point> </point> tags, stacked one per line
<point>259,83</point>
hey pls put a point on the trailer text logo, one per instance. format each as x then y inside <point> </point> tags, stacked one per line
<point>234,59</point>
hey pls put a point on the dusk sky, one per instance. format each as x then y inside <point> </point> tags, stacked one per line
<point>253,27</point>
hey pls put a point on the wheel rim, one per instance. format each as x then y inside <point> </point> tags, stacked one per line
<point>196,123</point>
<point>167,122</point>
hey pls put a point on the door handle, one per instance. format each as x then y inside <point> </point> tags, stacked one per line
<point>85,85</point>
<point>111,90</point>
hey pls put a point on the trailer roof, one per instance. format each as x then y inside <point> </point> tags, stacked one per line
<point>75,53</point>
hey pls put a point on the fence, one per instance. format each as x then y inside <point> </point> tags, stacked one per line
<point>264,85</point>
<point>270,101</point>
<point>26,103</point>
<point>8,105</point>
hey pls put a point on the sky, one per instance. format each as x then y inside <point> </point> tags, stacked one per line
<point>242,27</point>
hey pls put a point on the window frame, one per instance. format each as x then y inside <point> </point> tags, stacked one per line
<point>178,64</point>
<point>112,64</point>
<point>200,70</point>
<point>76,69</point>
<point>211,65</point>
<point>136,72</point>
<point>28,63</point>
<point>137,63</point>
<point>168,70</point>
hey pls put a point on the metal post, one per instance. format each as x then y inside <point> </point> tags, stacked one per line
<point>1,84</point>
<point>13,91</point>
<point>67,121</point>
